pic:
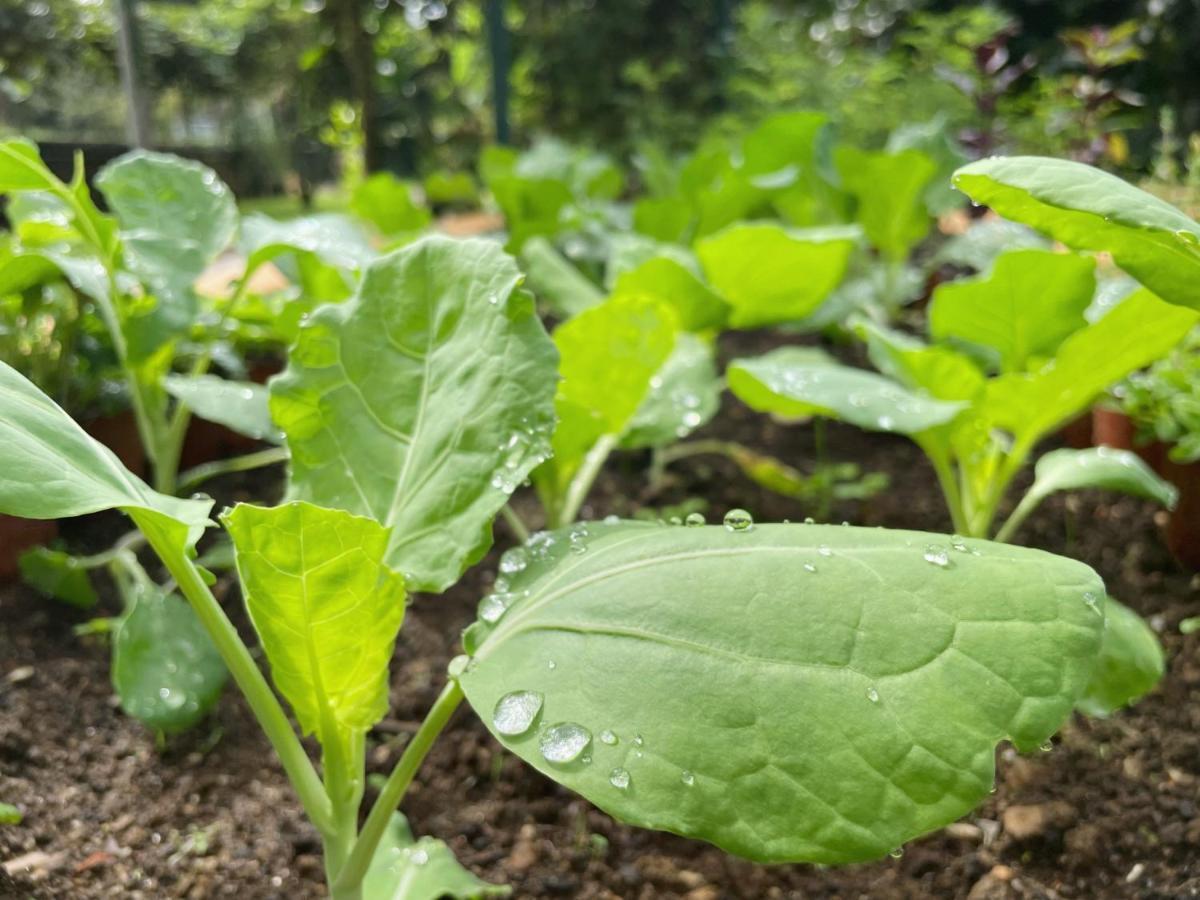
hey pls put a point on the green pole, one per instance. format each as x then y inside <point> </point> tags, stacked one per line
<point>498,40</point>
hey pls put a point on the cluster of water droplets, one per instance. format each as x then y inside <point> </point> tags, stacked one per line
<point>526,447</point>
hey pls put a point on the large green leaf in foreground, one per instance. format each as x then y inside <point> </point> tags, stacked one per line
<point>325,607</point>
<point>53,469</point>
<point>405,868</point>
<point>1091,210</point>
<point>787,692</point>
<point>422,402</point>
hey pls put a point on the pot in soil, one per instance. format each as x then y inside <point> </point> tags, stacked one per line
<point>1183,526</point>
<point>1077,434</point>
<point>18,535</point>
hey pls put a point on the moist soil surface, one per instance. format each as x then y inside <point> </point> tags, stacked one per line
<point>1111,811</point>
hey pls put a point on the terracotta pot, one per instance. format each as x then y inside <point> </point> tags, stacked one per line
<point>207,441</point>
<point>17,536</point>
<point>1183,526</point>
<point>1112,428</point>
<point>119,433</point>
<point>1077,433</point>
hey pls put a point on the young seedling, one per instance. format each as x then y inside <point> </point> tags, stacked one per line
<point>787,692</point>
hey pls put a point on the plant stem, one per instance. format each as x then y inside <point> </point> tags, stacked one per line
<point>578,489</point>
<point>708,447</point>
<point>519,529</point>
<point>197,475</point>
<point>128,542</point>
<point>241,665</point>
<point>393,790</point>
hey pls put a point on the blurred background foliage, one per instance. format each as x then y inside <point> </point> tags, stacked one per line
<point>291,90</point>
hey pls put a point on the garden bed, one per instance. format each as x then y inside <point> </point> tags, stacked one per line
<point>1111,811</point>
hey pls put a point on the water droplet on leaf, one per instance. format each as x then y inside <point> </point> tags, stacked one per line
<point>739,520</point>
<point>516,712</point>
<point>619,778</point>
<point>694,520</point>
<point>564,742</point>
<point>607,737</point>
<point>936,554</point>
<point>687,777</point>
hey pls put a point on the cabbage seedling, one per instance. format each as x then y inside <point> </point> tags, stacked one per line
<point>787,692</point>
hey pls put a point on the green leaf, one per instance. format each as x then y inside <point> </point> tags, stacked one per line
<point>670,274</point>
<point>1099,467</point>
<point>422,402</point>
<point>978,247</point>
<point>1130,664</point>
<point>555,282</point>
<point>239,405</point>
<point>326,608</point>
<point>334,240</point>
<point>942,372</point>
<point>53,469</point>
<point>58,575</point>
<point>724,691</point>
<point>175,216</point>
<point>21,167</point>
<point>663,218</point>
<point>890,190</point>
<point>769,274</point>
<point>165,667</point>
<point>792,381</point>
<point>1025,306</point>
<point>388,203</point>
<point>1136,332</point>
<point>684,394</point>
<point>1088,209</point>
<point>609,356</point>
<point>405,868</point>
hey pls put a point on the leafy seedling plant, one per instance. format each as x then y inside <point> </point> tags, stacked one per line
<point>170,219</point>
<point>787,692</point>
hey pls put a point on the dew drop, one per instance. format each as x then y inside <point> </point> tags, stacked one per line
<point>1046,746</point>
<point>809,520</point>
<point>608,737</point>
<point>418,857</point>
<point>619,778</point>
<point>494,606</point>
<point>957,542</point>
<point>551,665</point>
<point>515,713</point>
<point>514,560</point>
<point>824,550</point>
<point>564,742</point>
<point>809,567</point>
<point>694,520</point>
<point>739,520</point>
<point>897,853</point>
<point>687,777</point>
<point>935,554</point>
<point>872,695</point>
<point>638,741</point>
<point>1093,603</point>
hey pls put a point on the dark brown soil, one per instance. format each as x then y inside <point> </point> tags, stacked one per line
<point>1113,811</point>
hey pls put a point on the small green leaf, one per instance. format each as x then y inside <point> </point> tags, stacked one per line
<point>175,216</point>
<point>326,608</point>
<point>669,274</point>
<point>422,402</point>
<point>1022,309</point>
<point>58,575</point>
<point>792,382</point>
<point>21,167</point>
<point>9,814</point>
<point>787,692</point>
<point>609,356</point>
<point>683,396</point>
<point>1100,467</point>
<point>405,868</point>
<point>389,204</point>
<point>769,274</point>
<point>165,668</point>
<point>335,240</point>
<point>563,289</point>
<point>1088,209</point>
<point>1130,664</point>
<point>890,189</point>
<point>942,372</point>
<point>53,469</point>
<point>1137,331</point>
<point>239,405</point>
